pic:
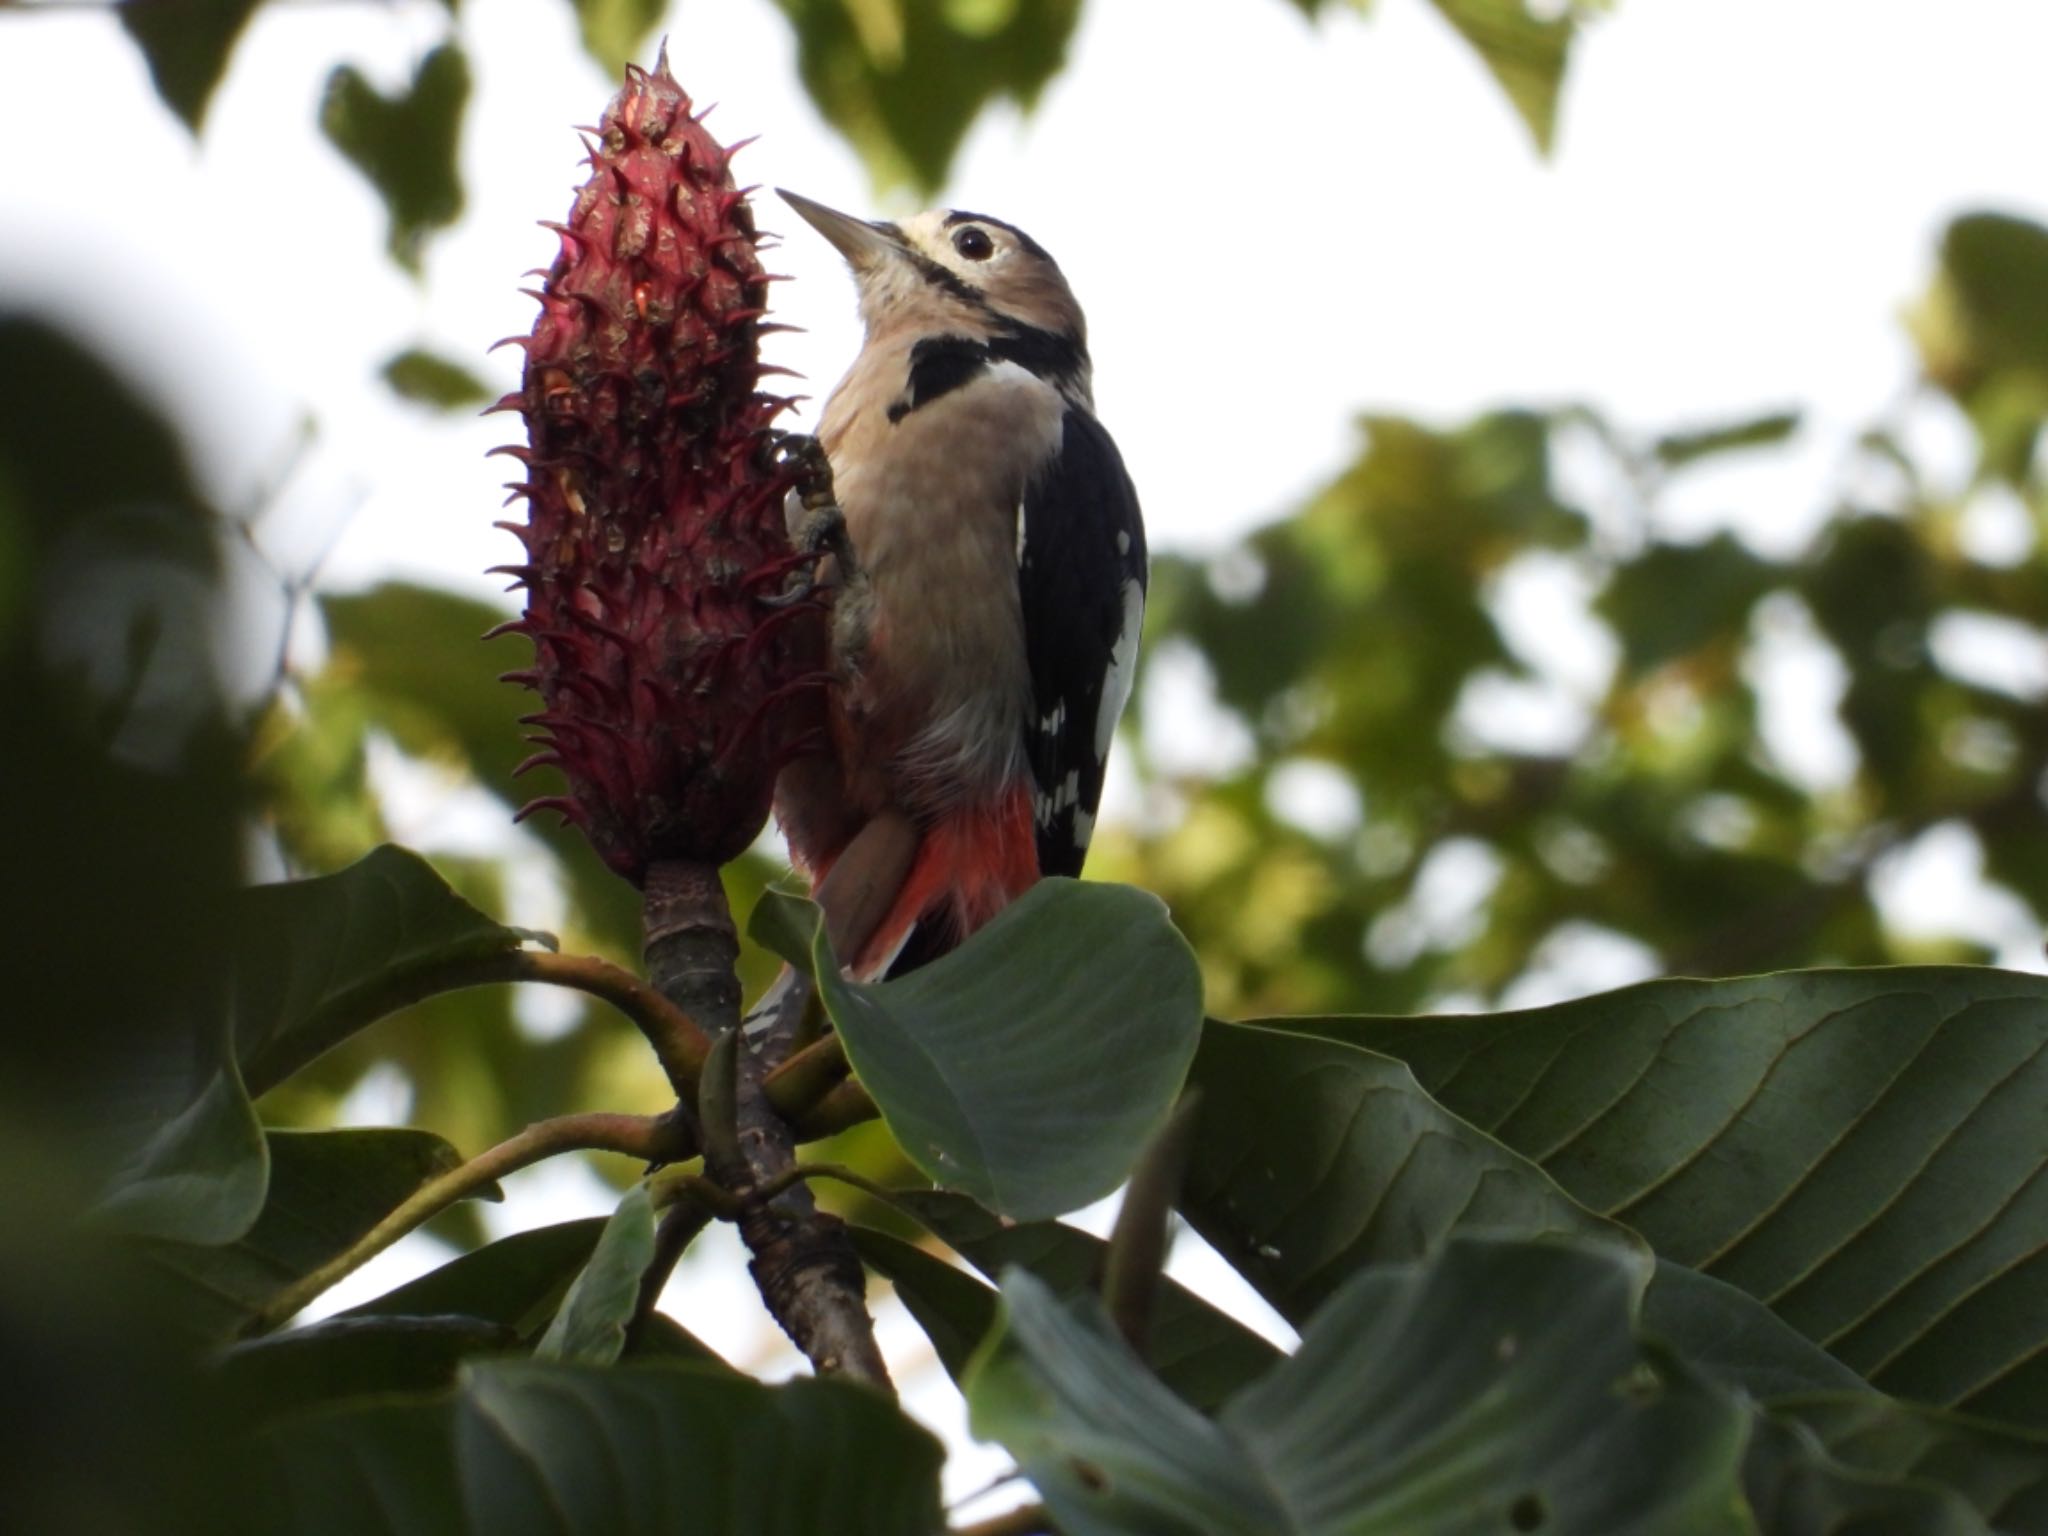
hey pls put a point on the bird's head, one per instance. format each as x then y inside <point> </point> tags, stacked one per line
<point>946,270</point>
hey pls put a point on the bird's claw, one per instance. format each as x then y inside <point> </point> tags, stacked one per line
<point>821,531</point>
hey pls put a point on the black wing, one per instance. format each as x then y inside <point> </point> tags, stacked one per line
<point>1081,573</point>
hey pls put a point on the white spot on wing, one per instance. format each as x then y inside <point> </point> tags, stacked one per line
<point>1020,533</point>
<point>1123,666</point>
<point>1123,542</point>
<point>1084,827</point>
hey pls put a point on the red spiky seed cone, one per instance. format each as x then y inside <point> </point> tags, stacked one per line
<point>655,523</point>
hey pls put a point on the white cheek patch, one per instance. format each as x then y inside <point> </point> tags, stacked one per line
<point>1123,667</point>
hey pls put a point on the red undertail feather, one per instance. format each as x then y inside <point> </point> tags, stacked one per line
<point>970,865</point>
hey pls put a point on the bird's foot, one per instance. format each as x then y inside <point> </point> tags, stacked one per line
<point>821,530</point>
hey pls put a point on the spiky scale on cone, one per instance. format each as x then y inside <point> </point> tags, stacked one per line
<point>673,686</point>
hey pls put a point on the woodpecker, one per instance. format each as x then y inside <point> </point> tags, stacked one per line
<point>985,650</point>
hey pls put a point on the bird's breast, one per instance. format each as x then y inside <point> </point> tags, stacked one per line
<point>933,497</point>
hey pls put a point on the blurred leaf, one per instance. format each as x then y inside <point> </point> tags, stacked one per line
<point>423,676</point>
<point>1734,1339</point>
<point>1675,450</point>
<point>2003,1472</point>
<point>327,1188</point>
<point>1201,1352</point>
<point>405,145</point>
<point>1027,1067</point>
<point>1864,1149</point>
<point>1397,1414</point>
<point>786,925</point>
<point>517,1282</point>
<point>531,1448</point>
<point>1795,1488</point>
<point>318,959</point>
<point>201,1178</point>
<point>187,43</point>
<point>903,80</point>
<point>1673,600</point>
<point>1314,1160</point>
<point>430,379</point>
<point>1982,331</point>
<point>1525,52</point>
<point>590,1328</point>
<point>614,31</point>
<point>352,1357</point>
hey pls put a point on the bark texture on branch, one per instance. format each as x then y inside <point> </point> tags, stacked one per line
<point>803,1258</point>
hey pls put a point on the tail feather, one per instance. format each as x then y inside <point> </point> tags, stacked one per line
<point>970,865</point>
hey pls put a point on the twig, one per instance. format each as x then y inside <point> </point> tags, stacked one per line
<point>1136,1254</point>
<point>678,1042</point>
<point>679,1227</point>
<point>640,1136</point>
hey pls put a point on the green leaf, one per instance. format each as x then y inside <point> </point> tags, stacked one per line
<point>954,1309</point>
<point>642,1447</point>
<point>903,80</point>
<point>1865,1150</point>
<point>787,925</point>
<point>2002,1472</point>
<point>530,1449</point>
<point>1314,1159</point>
<point>614,31</point>
<point>201,1178</point>
<point>1027,1067</point>
<point>388,1468</point>
<point>430,379</point>
<point>316,960</point>
<point>1735,1339</point>
<point>1202,1353</point>
<point>1398,1414</point>
<point>590,1328</point>
<point>187,44</point>
<point>405,145</point>
<point>1675,450</point>
<point>327,1188</point>
<point>518,1282</point>
<point>1794,1488</point>
<point>1525,53</point>
<point>352,1357</point>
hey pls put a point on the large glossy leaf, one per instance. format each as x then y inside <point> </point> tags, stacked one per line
<point>1027,1067</point>
<point>1738,1341</point>
<point>1313,1159</point>
<point>405,144</point>
<point>318,959</point>
<point>200,1178</point>
<point>2001,1472</point>
<point>187,44</point>
<point>352,1357</point>
<point>517,1282</point>
<point>1867,1151</point>
<point>1398,1414</point>
<point>1202,1353</point>
<point>1794,1488</point>
<point>557,1450</point>
<point>327,1188</point>
<point>903,79</point>
<point>590,1328</point>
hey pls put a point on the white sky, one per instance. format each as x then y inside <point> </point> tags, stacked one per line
<point>1272,225</point>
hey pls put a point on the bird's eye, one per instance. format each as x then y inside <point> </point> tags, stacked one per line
<point>973,242</point>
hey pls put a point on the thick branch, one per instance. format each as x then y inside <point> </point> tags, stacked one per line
<point>803,1261</point>
<point>638,1136</point>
